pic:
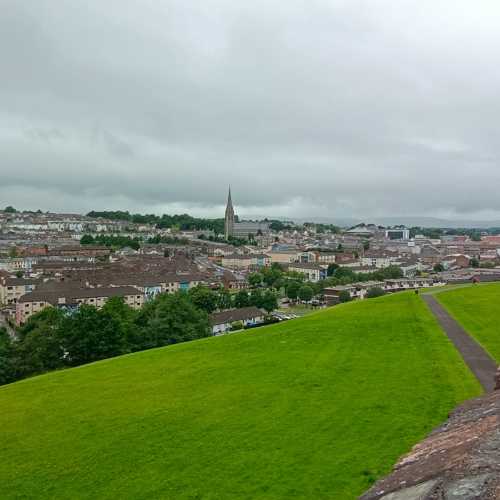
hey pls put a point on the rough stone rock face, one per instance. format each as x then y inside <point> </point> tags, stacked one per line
<point>458,461</point>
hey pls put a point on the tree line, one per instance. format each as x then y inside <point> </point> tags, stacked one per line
<point>111,241</point>
<point>118,241</point>
<point>338,275</point>
<point>54,339</point>
<point>183,222</point>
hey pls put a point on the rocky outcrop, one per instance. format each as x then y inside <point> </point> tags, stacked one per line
<point>458,461</point>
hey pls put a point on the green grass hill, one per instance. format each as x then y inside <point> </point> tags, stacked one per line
<point>317,407</point>
<point>477,309</point>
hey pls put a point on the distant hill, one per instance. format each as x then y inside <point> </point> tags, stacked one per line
<point>405,220</point>
<point>317,407</point>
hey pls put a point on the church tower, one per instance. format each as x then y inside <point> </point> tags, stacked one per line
<point>229,217</point>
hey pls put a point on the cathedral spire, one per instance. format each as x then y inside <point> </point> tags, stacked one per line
<point>229,217</point>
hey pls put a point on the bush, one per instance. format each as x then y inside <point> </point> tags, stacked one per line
<point>345,296</point>
<point>375,291</point>
<point>237,325</point>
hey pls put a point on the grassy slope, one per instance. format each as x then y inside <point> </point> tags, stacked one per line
<point>477,310</point>
<point>312,408</point>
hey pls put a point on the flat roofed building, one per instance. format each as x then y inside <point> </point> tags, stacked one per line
<point>397,233</point>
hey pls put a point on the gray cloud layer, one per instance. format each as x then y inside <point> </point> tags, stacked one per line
<point>308,108</point>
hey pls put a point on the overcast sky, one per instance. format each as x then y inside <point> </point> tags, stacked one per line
<point>338,108</point>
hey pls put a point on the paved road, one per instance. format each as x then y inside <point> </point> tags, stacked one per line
<point>477,359</point>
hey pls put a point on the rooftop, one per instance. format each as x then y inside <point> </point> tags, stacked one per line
<point>235,315</point>
<point>70,294</point>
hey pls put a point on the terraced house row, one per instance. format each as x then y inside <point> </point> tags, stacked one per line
<point>69,298</point>
<point>135,288</point>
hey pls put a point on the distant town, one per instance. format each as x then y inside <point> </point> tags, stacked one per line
<point>65,260</point>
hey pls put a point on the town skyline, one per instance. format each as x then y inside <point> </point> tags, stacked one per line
<point>218,213</point>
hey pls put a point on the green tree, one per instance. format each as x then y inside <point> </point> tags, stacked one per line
<point>255,279</point>
<point>269,301</point>
<point>438,268</point>
<point>306,293</point>
<point>87,239</point>
<point>474,262</point>
<point>393,272</point>
<point>292,290</point>
<point>344,296</point>
<point>126,316</point>
<point>331,269</point>
<point>174,318</point>
<point>111,241</point>
<point>203,298</point>
<point>224,299</point>
<point>6,358</point>
<point>271,274</point>
<point>242,299</point>
<point>257,298</point>
<point>90,335</point>
<point>10,210</point>
<point>487,265</point>
<point>344,272</point>
<point>40,346</point>
<point>296,276</point>
<point>279,283</point>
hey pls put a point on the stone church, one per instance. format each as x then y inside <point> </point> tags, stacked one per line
<point>244,229</point>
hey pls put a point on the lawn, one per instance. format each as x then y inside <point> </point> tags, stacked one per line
<point>315,408</point>
<point>477,309</point>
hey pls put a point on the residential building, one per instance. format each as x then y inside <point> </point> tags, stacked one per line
<point>379,259</point>
<point>68,298</point>
<point>245,261</point>
<point>12,289</point>
<point>284,256</point>
<point>222,322</point>
<point>326,257</point>
<point>456,261</point>
<point>312,272</point>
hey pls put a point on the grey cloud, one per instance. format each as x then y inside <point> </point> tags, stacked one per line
<point>340,108</point>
